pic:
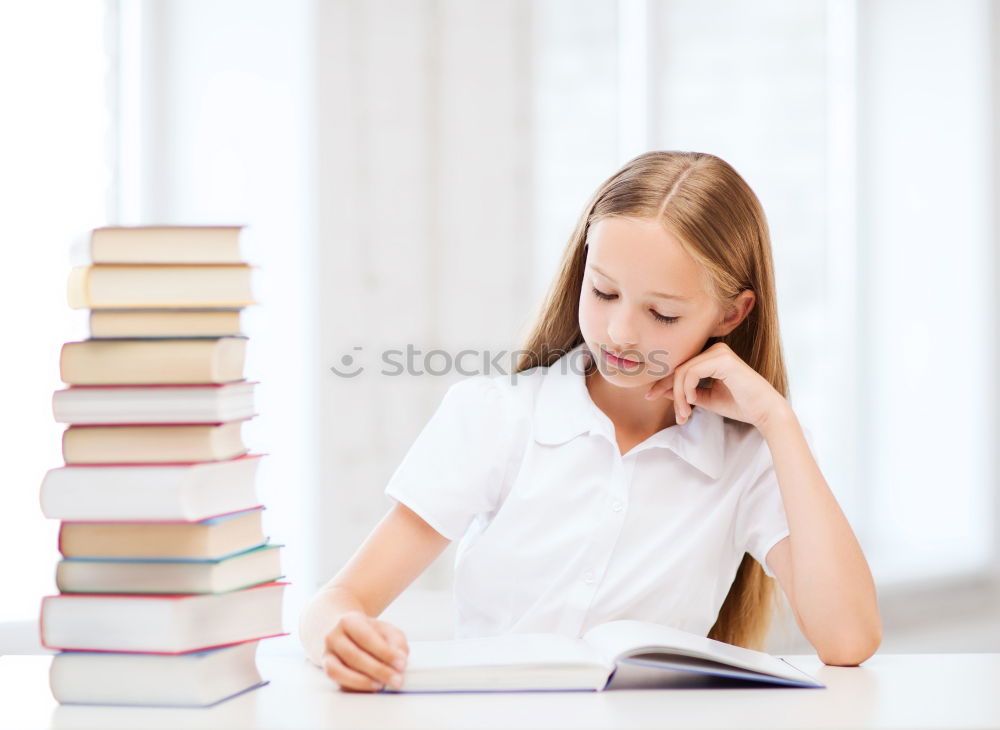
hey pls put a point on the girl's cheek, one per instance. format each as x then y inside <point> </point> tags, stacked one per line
<point>589,319</point>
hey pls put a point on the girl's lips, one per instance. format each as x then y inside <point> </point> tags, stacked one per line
<point>619,361</point>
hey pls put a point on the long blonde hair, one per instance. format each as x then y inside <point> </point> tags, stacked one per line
<point>719,221</point>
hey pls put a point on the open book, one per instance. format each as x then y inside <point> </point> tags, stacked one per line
<point>650,654</point>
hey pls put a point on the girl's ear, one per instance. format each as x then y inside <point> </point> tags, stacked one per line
<point>737,311</point>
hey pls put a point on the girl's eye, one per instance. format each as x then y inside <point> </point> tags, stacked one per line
<point>659,317</point>
<point>602,295</point>
<point>663,318</point>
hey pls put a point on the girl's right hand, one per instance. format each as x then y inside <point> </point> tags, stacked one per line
<point>364,654</point>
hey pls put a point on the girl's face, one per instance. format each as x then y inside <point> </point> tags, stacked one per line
<point>645,299</point>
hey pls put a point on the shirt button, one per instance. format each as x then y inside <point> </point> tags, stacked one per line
<point>588,577</point>
<point>616,506</point>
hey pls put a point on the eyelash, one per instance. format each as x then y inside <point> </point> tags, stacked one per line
<point>659,317</point>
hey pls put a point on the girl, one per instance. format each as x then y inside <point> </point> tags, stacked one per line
<point>642,462</point>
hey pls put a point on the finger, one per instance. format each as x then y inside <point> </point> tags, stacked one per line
<point>691,393</point>
<point>706,396</point>
<point>677,395</point>
<point>396,639</point>
<point>660,387</point>
<point>686,391</point>
<point>356,658</point>
<point>689,385</point>
<point>346,677</point>
<point>364,633</point>
<point>678,380</point>
<point>680,397</point>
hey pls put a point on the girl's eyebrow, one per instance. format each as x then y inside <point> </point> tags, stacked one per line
<point>653,294</point>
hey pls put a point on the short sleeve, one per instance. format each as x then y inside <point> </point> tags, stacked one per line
<point>760,517</point>
<point>455,468</point>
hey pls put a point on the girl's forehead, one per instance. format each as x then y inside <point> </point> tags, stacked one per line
<point>631,235</point>
<point>645,254</point>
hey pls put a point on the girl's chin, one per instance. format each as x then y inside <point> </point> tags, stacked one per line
<point>628,381</point>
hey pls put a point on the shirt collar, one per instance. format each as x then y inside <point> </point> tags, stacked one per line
<point>564,410</point>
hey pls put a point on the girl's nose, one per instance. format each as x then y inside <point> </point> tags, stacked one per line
<point>621,330</point>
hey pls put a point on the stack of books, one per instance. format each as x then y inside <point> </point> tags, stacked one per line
<point>167,581</point>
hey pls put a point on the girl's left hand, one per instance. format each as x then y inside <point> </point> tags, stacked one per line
<point>737,391</point>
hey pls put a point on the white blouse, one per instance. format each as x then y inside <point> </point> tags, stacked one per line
<point>560,531</point>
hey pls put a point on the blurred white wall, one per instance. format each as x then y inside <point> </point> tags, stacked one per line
<point>216,103</point>
<point>425,218</point>
<point>927,243</point>
<point>55,180</point>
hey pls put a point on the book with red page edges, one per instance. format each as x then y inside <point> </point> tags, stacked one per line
<point>146,443</point>
<point>196,679</point>
<point>213,537</point>
<point>188,491</point>
<point>160,623</point>
<point>158,404</point>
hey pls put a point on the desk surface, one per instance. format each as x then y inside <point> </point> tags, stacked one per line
<point>888,691</point>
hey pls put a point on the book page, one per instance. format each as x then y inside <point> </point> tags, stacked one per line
<point>510,662</point>
<point>510,650</point>
<point>630,675</point>
<point>629,638</point>
<point>621,638</point>
<point>678,664</point>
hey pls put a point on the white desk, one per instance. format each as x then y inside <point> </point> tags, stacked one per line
<point>890,691</point>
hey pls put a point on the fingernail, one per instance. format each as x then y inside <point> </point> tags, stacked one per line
<point>376,686</point>
<point>396,681</point>
<point>400,663</point>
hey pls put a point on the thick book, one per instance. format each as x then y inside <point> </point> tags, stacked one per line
<point>194,679</point>
<point>212,538</point>
<point>157,492</point>
<point>118,323</point>
<point>90,405</point>
<point>163,624</point>
<point>653,654</point>
<point>142,444</point>
<point>252,567</point>
<point>153,362</point>
<point>123,286</point>
<point>158,245</point>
